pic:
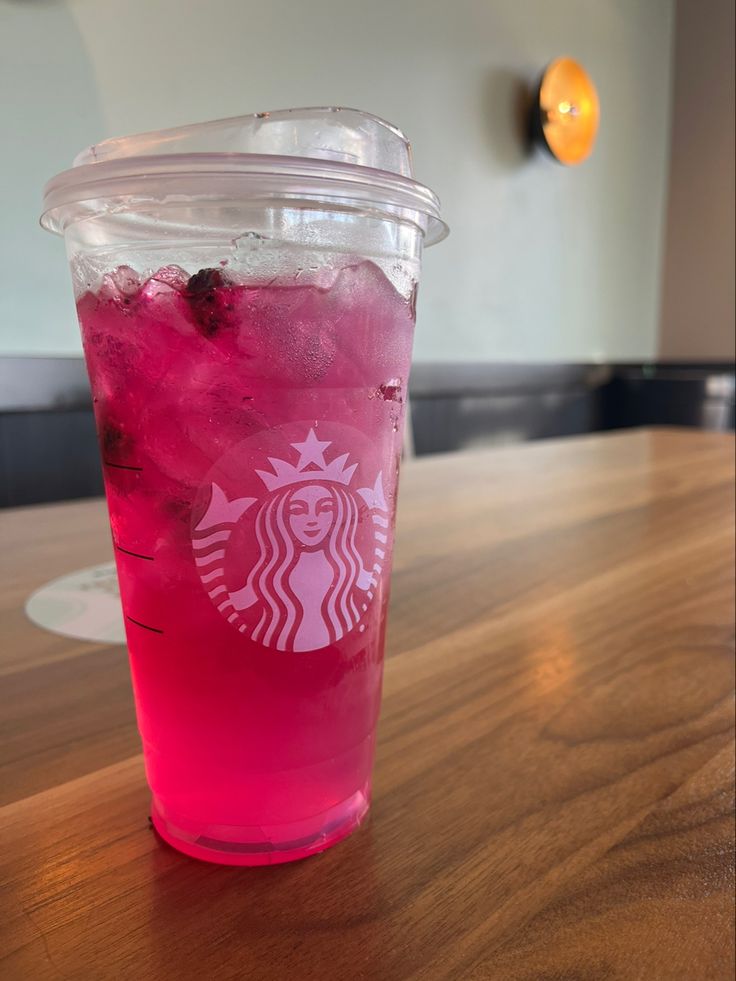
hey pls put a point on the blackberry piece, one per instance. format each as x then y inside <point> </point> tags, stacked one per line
<point>113,439</point>
<point>209,294</point>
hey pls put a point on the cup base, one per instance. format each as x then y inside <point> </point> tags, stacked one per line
<point>231,845</point>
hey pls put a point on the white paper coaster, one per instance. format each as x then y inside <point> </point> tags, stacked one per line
<point>83,604</point>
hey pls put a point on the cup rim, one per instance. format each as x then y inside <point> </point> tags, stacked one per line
<point>123,184</point>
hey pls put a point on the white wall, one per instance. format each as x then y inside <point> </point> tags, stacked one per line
<point>698,284</point>
<point>49,107</point>
<point>543,263</point>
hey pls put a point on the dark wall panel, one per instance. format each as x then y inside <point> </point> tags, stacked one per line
<point>48,456</point>
<point>48,449</point>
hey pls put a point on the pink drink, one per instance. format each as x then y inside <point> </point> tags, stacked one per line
<point>249,397</point>
<point>251,438</point>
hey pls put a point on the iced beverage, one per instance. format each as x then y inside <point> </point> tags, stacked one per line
<point>251,438</point>
<point>247,320</point>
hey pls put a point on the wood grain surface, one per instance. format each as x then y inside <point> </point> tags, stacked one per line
<point>554,781</point>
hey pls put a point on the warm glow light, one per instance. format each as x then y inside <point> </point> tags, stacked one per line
<point>569,111</point>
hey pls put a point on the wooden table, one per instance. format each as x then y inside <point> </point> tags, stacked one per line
<point>553,792</point>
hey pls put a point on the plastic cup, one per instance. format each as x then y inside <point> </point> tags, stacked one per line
<point>246,294</point>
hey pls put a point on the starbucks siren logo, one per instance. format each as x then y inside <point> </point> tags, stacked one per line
<point>308,585</point>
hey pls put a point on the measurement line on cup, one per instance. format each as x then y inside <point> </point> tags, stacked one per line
<point>136,555</point>
<point>122,466</point>
<point>154,630</point>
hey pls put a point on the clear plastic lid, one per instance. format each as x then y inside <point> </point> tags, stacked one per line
<point>337,157</point>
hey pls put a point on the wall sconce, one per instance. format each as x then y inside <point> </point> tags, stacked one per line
<point>565,112</point>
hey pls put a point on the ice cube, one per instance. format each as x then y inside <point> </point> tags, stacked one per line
<point>120,286</point>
